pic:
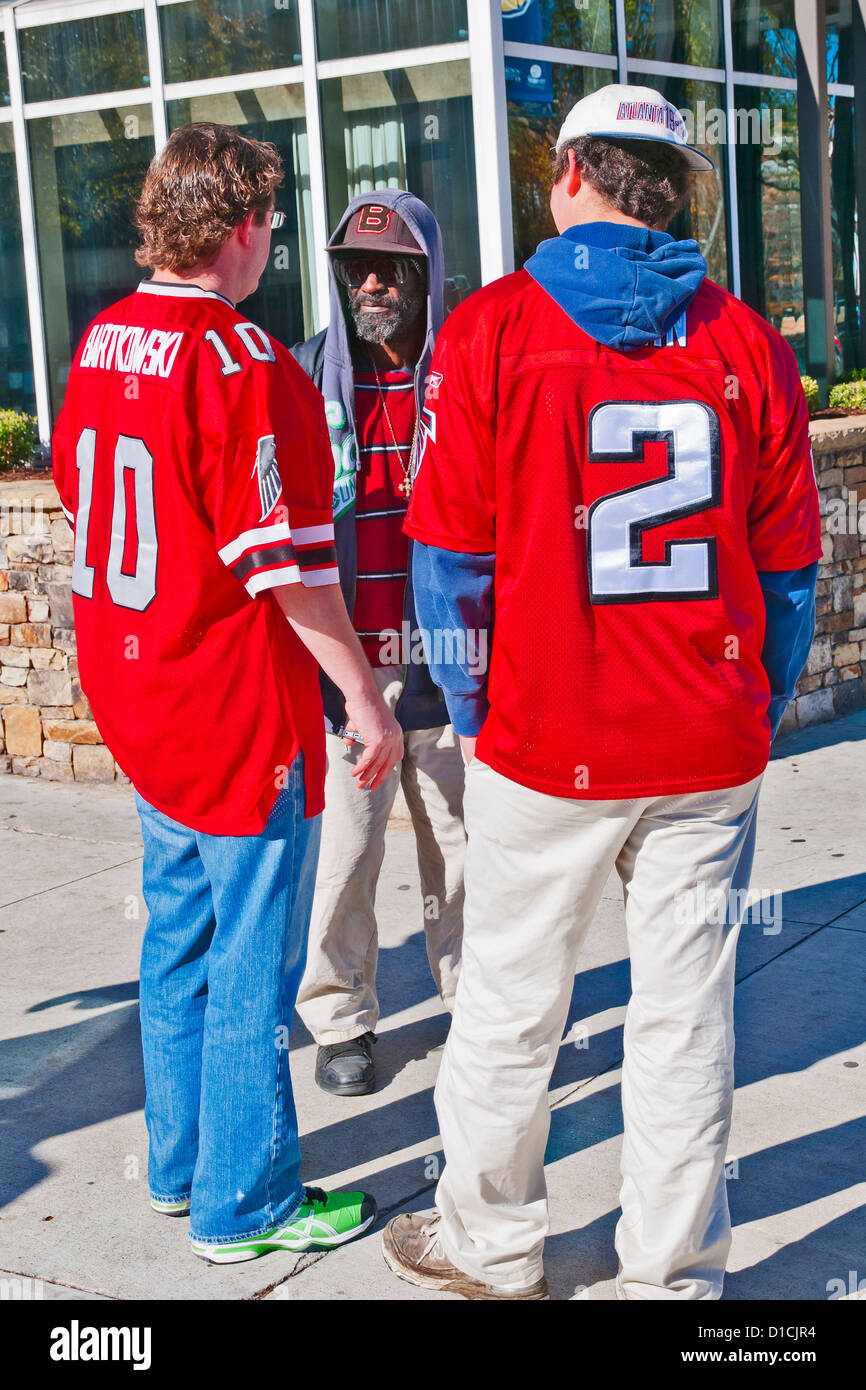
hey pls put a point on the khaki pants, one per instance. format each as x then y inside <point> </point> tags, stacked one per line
<point>536,867</point>
<point>337,998</point>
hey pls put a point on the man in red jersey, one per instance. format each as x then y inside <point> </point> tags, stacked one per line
<point>617,482</point>
<point>192,460</point>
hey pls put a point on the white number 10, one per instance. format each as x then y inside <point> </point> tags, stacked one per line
<point>135,590</point>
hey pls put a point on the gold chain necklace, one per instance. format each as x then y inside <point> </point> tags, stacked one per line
<point>406,486</point>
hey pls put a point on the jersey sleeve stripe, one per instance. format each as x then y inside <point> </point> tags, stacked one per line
<point>313,579</point>
<point>67,513</point>
<point>264,559</point>
<point>248,540</point>
<point>317,558</point>
<point>312,535</point>
<point>271,579</point>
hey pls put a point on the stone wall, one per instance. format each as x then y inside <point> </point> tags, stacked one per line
<point>833,681</point>
<point>47,729</point>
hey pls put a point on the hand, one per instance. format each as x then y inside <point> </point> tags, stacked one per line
<point>383,740</point>
<point>468,746</point>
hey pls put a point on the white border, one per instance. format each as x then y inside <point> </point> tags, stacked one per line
<point>490,135</point>
<point>233,82</point>
<point>621,41</point>
<point>70,106</point>
<point>664,69</point>
<point>316,158</point>
<point>730,106</point>
<point>32,13</point>
<point>397,58</point>
<point>32,283</point>
<point>570,57</point>
<point>155,72</point>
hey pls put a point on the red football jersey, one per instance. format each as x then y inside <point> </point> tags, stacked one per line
<point>631,499</point>
<point>193,461</point>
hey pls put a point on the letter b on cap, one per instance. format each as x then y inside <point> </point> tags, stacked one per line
<point>374,219</point>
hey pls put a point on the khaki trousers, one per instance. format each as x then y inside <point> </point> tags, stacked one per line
<point>337,998</point>
<point>535,870</point>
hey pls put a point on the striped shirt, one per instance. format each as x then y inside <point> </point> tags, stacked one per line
<point>380,506</point>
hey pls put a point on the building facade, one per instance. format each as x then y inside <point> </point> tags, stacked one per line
<point>458,101</point>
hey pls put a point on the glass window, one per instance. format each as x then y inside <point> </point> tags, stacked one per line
<point>675,31</point>
<point>348,28</point>
<point>768,198</point>
<point>843,205</point>
<point>581,24</point>
<point>764,36</point>
<point>16,365</point>
<point>4,74</point>
<point>840,54</point>
<point>88,169</point>
<point>704,217</point>
<point>107,53</point>
<point>532,131</point>
<point>283,303</point>
<point>408,128</point>
<point>212,38</point>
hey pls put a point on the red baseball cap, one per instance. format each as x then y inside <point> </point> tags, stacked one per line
<point>380,230</point>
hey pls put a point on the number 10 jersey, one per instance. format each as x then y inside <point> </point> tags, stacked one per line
<point>192,459</point>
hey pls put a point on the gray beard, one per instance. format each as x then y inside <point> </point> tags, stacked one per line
<point>380,328</point>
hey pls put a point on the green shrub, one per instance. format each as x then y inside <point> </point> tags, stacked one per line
<point>810,386</point>
<point>855,374</point>
<point>17,439</point>
<point>848,395</point>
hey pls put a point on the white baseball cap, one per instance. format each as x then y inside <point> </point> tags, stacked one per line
<point>631,113</point>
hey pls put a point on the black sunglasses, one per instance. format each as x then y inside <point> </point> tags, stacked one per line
<point>352,271</point>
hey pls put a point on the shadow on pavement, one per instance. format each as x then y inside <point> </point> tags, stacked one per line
<point>70,1078</point>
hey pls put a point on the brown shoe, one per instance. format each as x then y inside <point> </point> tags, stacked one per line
<point>410,1244</point>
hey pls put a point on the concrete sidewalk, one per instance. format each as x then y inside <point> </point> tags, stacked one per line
<point>73,1192</point>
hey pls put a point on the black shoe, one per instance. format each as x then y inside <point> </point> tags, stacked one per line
<point>346,1068</point>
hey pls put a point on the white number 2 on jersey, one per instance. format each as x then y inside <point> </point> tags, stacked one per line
<point>127,590</point>
<point>618,431</point>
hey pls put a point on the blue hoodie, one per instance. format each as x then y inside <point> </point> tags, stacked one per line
<point>630,293</point>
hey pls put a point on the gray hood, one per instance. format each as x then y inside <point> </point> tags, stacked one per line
<point>338,386</point>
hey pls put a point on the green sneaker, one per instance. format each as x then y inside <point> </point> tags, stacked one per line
<point>325,1220</point>
<point>178,1208</point>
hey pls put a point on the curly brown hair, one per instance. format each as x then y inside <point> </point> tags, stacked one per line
<point>206,179</point>
<point>645,179</point>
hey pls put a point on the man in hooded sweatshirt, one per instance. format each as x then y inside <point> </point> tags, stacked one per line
<point>371,364</point>
<point>618,483</point>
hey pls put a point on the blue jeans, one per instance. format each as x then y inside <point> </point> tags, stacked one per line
<point>221,963</point>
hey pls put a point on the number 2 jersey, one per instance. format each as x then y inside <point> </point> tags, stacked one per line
<point>631,499</point>
<point>192,459</point>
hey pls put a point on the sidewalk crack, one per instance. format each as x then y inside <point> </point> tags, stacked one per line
<point>314,1257</point>
<point>56,835</point>
<point>59,1284</point>
<point>42,892</point>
